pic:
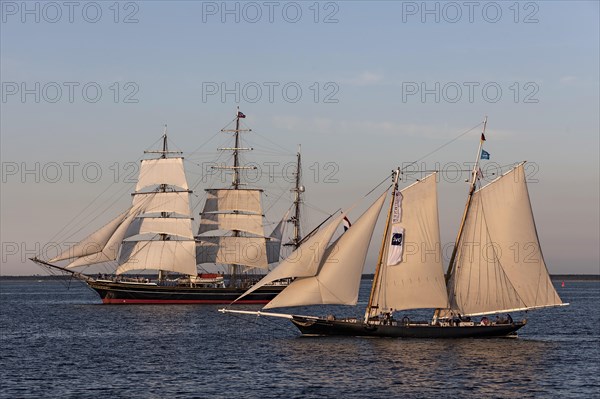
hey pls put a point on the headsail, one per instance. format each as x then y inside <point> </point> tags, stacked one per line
<point>412,275</point>
<point>316,264</point>
<point>94,243</point>
<point>303,262</point>
<point>499,264</point>
<point>337,280</point>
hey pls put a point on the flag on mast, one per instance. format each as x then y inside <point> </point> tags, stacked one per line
<point>347,224</point>
<point>485,154</point>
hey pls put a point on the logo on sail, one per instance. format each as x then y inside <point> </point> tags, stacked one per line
<point>396,247</point>
<point>397,239</point>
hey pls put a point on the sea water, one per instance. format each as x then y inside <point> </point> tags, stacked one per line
<point>59,341</point>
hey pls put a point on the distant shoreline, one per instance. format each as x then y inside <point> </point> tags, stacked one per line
<point>554,277</point>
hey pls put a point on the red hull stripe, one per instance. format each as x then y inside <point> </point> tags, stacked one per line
<point>114,301</point>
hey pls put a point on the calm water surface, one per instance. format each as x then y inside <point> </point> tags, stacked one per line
<point>59,342</point>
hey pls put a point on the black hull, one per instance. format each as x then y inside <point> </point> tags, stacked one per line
<point>139,293</point>
<point>356,328</point>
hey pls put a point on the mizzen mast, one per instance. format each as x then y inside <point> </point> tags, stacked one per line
<point>297,190</point>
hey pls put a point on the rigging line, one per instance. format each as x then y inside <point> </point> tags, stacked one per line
<point>70,233</point>
<point>287,150</point>
<point>383,181</point>
<point>205,142</point>
<point>443,145</point>
<point>68,225</point>
<point>153,144</point>
<point>315,208</point>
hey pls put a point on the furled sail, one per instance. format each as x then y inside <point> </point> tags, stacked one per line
<point>159,171</point>
<point>337,279</point>
<point>499,264</point>
<point>412,275</point>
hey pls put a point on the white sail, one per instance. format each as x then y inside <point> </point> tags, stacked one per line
<point>170,201</point>
<point>274,242</point>
<point>239,200</point>
<point>246,251</point>
<point>338,278</point>
<point>249,223</point>
<point>413,277</point>
<point>181,227</point>
<point>170,255</point>
<point>304,261</point>
<point>93,243</point>
<point>159,171</point>
<point>111,249</point>
<point>499,264</point>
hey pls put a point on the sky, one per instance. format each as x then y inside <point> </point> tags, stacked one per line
<point>364,87</point>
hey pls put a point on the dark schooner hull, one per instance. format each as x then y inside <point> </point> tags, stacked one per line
<point>357,328</point>
<point>143,293</point>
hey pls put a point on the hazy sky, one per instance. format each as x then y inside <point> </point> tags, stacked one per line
<point>363,86</point>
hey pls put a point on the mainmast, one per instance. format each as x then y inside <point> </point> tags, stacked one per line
<point>295,219</point>
<point>236,183</point>
<point>376,279</point>
<point>472,187</point>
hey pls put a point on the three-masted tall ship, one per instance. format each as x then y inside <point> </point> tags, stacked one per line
<point>154,235</point>
<point>484,276</point>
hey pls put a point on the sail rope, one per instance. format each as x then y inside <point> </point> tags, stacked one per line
<point>443,145</point>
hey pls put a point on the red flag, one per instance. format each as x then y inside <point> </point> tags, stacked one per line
<point>241,114</point>
<point>482,137</point>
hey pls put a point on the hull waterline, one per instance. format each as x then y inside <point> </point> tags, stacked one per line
<point>128,293</point>
<point>356,328</point>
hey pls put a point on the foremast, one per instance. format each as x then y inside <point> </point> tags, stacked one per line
<point>371,307</point>
<point>154,233</point>
<point>162,274</point>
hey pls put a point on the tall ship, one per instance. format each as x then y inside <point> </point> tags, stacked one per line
<point>484,276</point>
<point>156,256</point>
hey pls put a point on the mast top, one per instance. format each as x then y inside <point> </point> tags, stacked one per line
<point>165,147</point>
